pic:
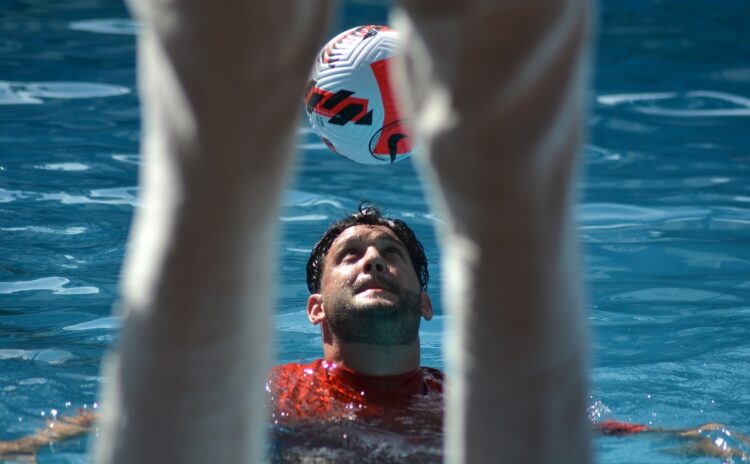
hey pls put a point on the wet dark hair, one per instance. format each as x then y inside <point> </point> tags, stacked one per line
<point>367,215</point>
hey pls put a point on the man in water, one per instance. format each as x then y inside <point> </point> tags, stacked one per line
<point>367,278</point>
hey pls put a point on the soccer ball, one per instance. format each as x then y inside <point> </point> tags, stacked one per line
<point>350,99</point>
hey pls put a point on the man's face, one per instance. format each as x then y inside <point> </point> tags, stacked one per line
<point>369,289</point>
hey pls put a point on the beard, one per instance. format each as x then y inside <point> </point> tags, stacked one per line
<point>376,323</point>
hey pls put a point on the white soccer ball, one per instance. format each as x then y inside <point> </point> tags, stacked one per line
<point>350,99</point>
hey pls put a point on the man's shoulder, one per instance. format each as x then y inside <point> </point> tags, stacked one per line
<point>293,366</point>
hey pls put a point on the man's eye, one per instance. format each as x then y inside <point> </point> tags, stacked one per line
<point>349,254</point>
<point>395,250</point>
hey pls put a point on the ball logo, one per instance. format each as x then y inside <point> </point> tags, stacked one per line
<point>391,140</point>
<point>341,107</point>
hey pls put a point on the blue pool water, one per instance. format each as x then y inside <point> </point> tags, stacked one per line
<point>664,213</point>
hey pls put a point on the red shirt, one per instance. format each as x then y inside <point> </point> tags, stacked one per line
<point>323,391</point>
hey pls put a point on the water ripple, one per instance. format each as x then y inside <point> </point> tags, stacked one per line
<point>735,74</point>
<point>671,294</point>
<point>312,146</point>
<point>112,196</point>
<point>307,199</point>
<point>118,26</point>
<point>19,93</point>
<point>304,218</point>
<point>7,196</point>
<point>128,159</point>
<point>611,215</point>
<point>63,167</point>
<point>74,90</point>
<point>47,356</point>
<point>55,284</point>
<point>46,230</point>
<point>108,323</point>
<point>696,103</point>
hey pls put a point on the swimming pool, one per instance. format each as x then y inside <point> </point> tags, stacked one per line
<point>663,217</point>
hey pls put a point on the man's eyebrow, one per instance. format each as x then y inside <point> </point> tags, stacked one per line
<point>395,241</point>
<point>339,246</point>
<point>344,242</point>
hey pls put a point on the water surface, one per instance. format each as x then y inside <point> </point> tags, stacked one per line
<point>664,216</point>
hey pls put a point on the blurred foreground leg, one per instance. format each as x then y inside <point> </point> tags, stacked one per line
<point>497,89</point>
<point>221,83</point>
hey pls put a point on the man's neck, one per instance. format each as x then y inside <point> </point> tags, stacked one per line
<point>374,360</point>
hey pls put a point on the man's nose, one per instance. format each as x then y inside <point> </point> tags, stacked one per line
<point>374,261</point>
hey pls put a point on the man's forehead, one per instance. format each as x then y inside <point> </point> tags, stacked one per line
<point>366,233</point>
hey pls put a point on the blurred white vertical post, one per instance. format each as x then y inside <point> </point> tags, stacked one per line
<point>497,90</point>
<point>221,84</point>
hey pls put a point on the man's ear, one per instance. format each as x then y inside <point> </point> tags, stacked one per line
<point>426,306</point>
<point>315,311</point>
